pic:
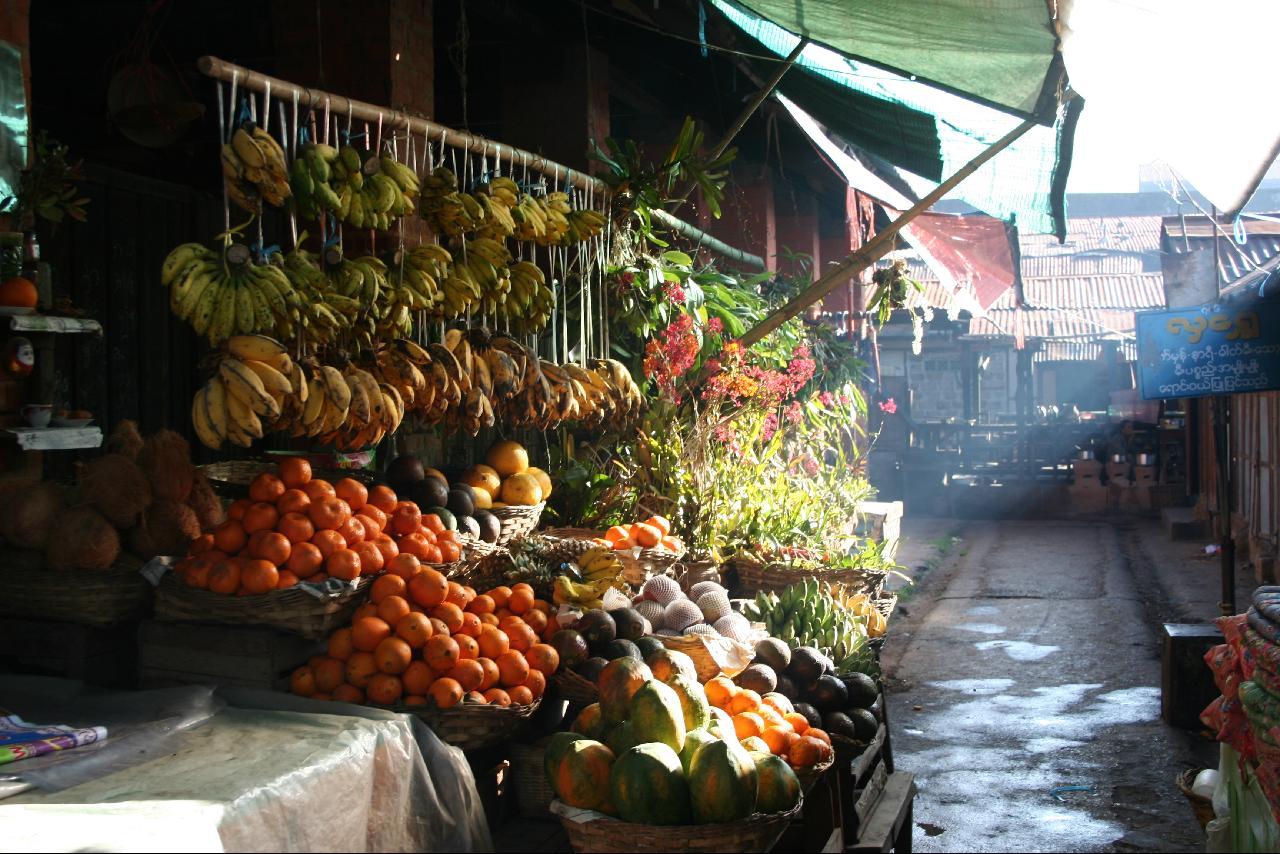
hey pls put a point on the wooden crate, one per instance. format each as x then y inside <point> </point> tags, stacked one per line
<point>199,654</point>
<point>889,824</point>
<point>94,655</point>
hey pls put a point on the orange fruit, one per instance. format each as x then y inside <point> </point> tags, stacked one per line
<point>446,692</point>
<point>457,595</point>
<point>351,491</point>
<point>433,523</point>
<point>771,716</point>
<point>468,647</point>
<point>417,677</point>
<point>745,700</point>
<point>820,734</point>
<point>747,724</point>
<point>294,471</point>
<point>499,595</point>
<point>374,515</point>
<point>224,578</point>
<point>414,629</point>
<point>352,530</point>
<point>441,652</point>
<point>230,537</point>
<point>266,487</point>
<point>520,601</point>
<point>416,545</point>
<point>405,519</point>
<point>491,673</point>
<point>497,697</point>
<point>235,510</point>
<point>296,527</point>
<point>616,534</point>
<point>468,673</point>
<point>302,682</point>
<point>404,566</point>
<point>535,618</point>
<point>293,501</point>
<point>340,644</point>
<point>778,739</point>
<point>659,522</point>
<point>798,722</point>
<point>438,627</point>
<point>673,544</point>
<point>344,564</point>
<point>259,576</point>
<point>393,609</point>
<point>720,690</point>
<point>387,585</point>
<point>393,655</point>
<point>520,695</point>
<point>414,699</point>
<point>482,604</point>
<point>318,488</point>
<point>383,497</point>
<point>347,694</point>
<point>361,667</point>
<point>493,641</point>
<point>20,292</point>
<point>543,657</point>
<point>368,609</point>
<point>428,588</point>
<point>646,535</point>
<point>489,620</point>
<point>328,513</point>
<point>521,637</point>
<point>470,624</point>
<point>328,542</point>
<point>370,558</point>
<point>329,674</point>
<point>368,632</point>
<point>304,560</point>
<point>385,689</point>
<point>200,544</point>
<point>273,547</point>
<point>536,683</point>
<point>450,613</point>
<point>286,580</point>
<point>387,546</point>
<point>512,668</point>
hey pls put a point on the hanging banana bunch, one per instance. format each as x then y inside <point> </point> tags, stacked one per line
<point>447,209</point>
<point>220,298</point>
<point>325,314</point>
<point>253,166</point>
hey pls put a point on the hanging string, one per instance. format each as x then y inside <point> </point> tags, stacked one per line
<point>284,146</point>
<point>222,140</point>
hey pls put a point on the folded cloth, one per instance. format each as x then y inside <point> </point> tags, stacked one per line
<point>1262,709</point>
<point>1257,651</point>
<point>1263,625</point>
<point>1267,602</point>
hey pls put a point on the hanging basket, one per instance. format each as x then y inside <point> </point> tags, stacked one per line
<point>292,610</point>
<point>87,597</point>
<point>1201,806</point>
<point>518,521</point>
<point>471,726</point>
<point>593,831</point>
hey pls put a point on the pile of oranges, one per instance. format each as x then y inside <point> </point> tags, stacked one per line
<point>294,527</point>
<point>769,723</point>
<point>652,533</point>
<point>422,639</point>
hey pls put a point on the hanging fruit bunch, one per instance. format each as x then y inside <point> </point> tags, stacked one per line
<point>363,189</point>
<point>253,169</point>
<point>224,294</point>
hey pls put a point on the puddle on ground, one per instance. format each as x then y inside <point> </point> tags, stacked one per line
<point>1019,650</point>
<point>1050,745</point>
<point>975,686</point>
<point>979,610</point>
<point>983,628</point>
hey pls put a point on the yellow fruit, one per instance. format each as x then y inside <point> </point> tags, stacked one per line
<point>522,489</point>
<point>508,458</point>
<point>483,478</point>
<point>544,480</point>
<point>497,505</point>
<point>484,501</point>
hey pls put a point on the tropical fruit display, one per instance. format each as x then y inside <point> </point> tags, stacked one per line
<point>295,528</point>
<point>813,614</point>
<point>704,610</point>
<point>667,758</point>
<point>423,640</point>
<point>652,533</point>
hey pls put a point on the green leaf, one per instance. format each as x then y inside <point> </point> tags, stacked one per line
<point>675,256</point>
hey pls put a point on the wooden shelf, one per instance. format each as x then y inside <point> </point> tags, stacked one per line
<point>54,324</point>
<point>55,438</point>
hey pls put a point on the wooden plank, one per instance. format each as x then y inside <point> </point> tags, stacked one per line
<point>880,831</point>
<point>866,798</point>
<point>863,765</point>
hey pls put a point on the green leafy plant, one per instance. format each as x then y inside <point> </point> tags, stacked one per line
<point>48,187</point>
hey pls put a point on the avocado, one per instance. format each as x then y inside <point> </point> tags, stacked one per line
<point>759,678</point>
<point>598,628</point>
<point>812,715</point>
<point>429,492</point>
<point>591,668</point>
<point>631,623</point>
<point>648,645</point>
<point>806,666</point>
<point>571,646</point>
<point>403,471</point>
<point>462,499</point>
<point>621,648</point>
<point>861,688</point>
<point>468,525</point>
<point>774,653</point>
<point>838,723</point>
<point>787,687</point>
<point>865,724</point>
<point>450,521</point>
<point>489,524</point>
<point>828,694</point>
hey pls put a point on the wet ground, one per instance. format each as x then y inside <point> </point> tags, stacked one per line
<point>1024,686</point>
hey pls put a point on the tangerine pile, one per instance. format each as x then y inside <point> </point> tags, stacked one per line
<point>293,528</point>
<point>652,533</point>
<point>766,723</point>
<point>423,639</point>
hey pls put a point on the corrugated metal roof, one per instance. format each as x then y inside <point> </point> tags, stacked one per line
<point>1134,291</point>
<point>1079,323</point>
<point>1235,260</point>
<point>1086,234</point>
<point>1082,351</point>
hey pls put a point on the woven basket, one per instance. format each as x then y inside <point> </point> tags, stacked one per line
<point>1202,807</point>
<point>810,775</point>
<point>754,576</point>
<point>688,573</point>
<point>533,791</point>
<point>472,726</point>
<point>87,597</point>
<point>575,688</point>
<point>758,832</point>
<point>291,610</point>
<point>517,521</point>
<point>639,566</point>
<point>703,660</point>
<point>232,477</point>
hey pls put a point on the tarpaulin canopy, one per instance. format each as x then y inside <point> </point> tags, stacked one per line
<point>975,257</point>
<point>1000,52</point>
<point>924,131</point>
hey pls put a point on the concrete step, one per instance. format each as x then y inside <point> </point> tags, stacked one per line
<point>1181,524</point>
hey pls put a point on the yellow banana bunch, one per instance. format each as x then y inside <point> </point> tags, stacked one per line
<point>566,591</point>
<point>220,299</point>
<point>372,190</point>
<point>598,564</point>
<point>253,168</point>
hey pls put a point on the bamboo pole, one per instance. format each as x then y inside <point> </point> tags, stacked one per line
<point>878,245</point>
<point>706,240</point>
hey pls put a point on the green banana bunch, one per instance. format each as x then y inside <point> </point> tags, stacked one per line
<point>446,208</point>
<point>808,614</point>
<point>324,315</point>
<point>309,177</point>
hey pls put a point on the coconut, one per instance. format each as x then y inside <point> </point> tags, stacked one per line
<point>734,626</point>
<point>165,459</point>
<point>662,589</point>
<point>702,588</point>
<point>681,614</point>
<point>116,488</point>
<point>167,528</point>
<point>31,510</point>
<point>650,610</point>
<point>714,605</point>
<point>125,440</point>
<point>206,503</point>
<point>85,540</point>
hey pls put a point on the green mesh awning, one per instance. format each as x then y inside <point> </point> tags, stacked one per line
<point>1001,52</point>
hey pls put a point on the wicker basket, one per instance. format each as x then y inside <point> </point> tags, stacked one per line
<point>533,791</point>
<point>810,775</point>
<point>87,597</point>
<point>703,660</point>
<point>1202,807</point>
<point>517,521</point>
<point>754,576</point>
<point>231,478</point>
<point>575,688</point>
<point>758,832</point>
<point>471,726</point>
<point>691,572</point>
<point>292,610</point>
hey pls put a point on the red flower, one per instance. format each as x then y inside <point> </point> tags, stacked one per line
<point>674,292</point>
<point>715,326</point>
<point>888,407</point>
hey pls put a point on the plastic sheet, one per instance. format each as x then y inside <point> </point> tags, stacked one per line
<point>265,771</point>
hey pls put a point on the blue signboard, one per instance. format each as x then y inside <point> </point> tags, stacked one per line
<point>1209,350</point>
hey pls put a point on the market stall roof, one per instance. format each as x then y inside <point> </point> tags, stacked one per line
<point>1247,248</point>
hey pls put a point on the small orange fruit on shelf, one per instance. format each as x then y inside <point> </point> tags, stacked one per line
<point>747,724</point>
<point>371,559</point>
<point>393,609</point>
<point>536,683</point>
<point>328,542</point>
<point>543,657</point>
<point>374,515</point>
<point>224,578</point>
<point>387,585</point>
<point>493,641</point>
<point>272,547</point>
<point>659,522</point>
<point>646,535</point>
<point>296,527</point>
<point>361,667</point>
<point>293,501</point>
<point>351,491</point>
<point>328,513</point>
<point>468,647</point>
<point>230,537</point>
<point>344,564</point>
<point>318,488</point>
<point>385,689</point>
<point>304,560</point>
<point>19,293</point>
<point>520,695</point>
<point>428,588</point>
<point>450,614</point>
<point>512,668</point>
<point>345,693</point>
<point>294,471</point>
<point>497,697</point>
<point>491,673</point>
<point>352,530</point>
<point>387,546</point>
<point>405,566</point>
<point>384,498</point>
<point>417,678</point>
<point>302,682</point>
<point>341,645</point>
<point>329,674</point>
<point>266,487</point>
<point>287,579</point>
<point>507,458</point>
<point>368,632</point>
<point>441,653</point>
<point>259,576</point>
<point>236,509</point>
<point>469,673</point>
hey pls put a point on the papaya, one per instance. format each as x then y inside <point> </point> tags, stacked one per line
<point>722,783</point>
<point>693,740</point>
<point>622,738</point>
<point>619,680</point>
<point>582,777</point>
<point>555,750</point>
<point>656,715</point>
<point>721,725</point>
<point>693,702</point>
<point>647,786</point>
<point>590,722</point>
<point>777,787</point>
<point>667,664</point>
<point>755,744</point>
